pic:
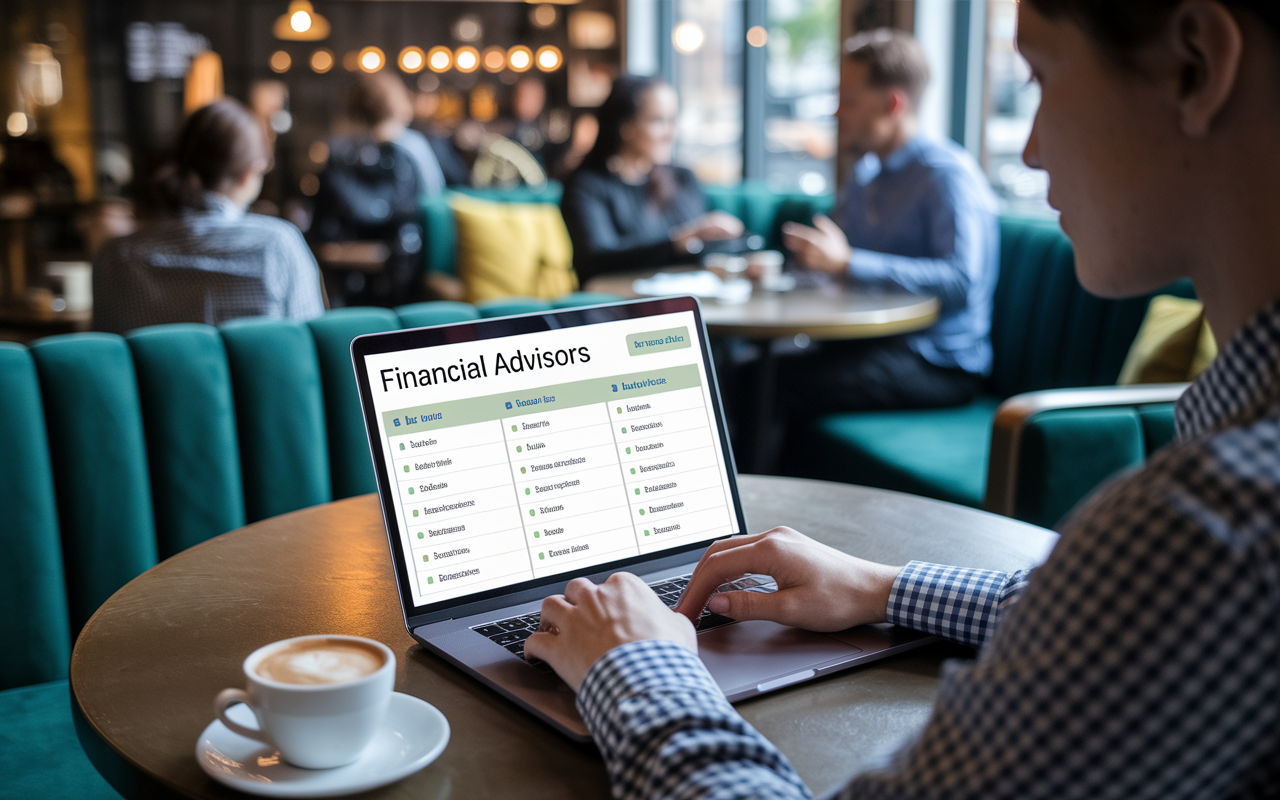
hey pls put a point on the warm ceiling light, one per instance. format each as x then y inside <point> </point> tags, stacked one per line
<point>468,29</point>
<point>549,58</point>
<point>280,61</point>
<point>519,58</point>
<point>543,16</point>
<point>321,61</point>
<point>494,59</point>
<point>466,59</point>
<point>412,59</point>
<point>372,59</point>
<point>439,59</point>
<point>757,36</point>
<point>687,37</point>
<point>301,23</point>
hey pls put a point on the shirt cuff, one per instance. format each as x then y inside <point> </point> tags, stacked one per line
<point>632,670</point>
<point>956,602</point>
<point>869,266</point>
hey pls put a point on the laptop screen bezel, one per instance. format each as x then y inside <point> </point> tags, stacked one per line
<point>480,330</point>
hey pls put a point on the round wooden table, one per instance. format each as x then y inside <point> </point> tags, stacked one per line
<point>147,666</point>
<point>837,313</point>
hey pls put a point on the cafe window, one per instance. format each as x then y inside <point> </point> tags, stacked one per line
<point>708,40</point>
<point>802,84</point>
<point>1012,100</point>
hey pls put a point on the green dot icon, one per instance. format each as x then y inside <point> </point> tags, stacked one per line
<point>637,491</point>
<point>628,451</point>
<point>513,428</point>
<point>522,470</point>
<point>541,556</point>
<point>633,470</point>
<point>410,490</point>
<point>406,467</point>
<point>402,445</point>
<point>642,512</point>
<point>430,579</point>
<point>624,430</point>
<point>420,535</point>
<point>619,411</point>
<point>526,491</point>
<point>425,558</point>
<point>646,532</point>
<point>519,449</point>
<point>536,535</point>
<point>531,512</point>
<point>415,512</point>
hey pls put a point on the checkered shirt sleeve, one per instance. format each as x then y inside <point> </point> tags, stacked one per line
<point>665,730</point>
<point>956,602</point>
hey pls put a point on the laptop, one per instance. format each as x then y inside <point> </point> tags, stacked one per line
<point>513,455</point>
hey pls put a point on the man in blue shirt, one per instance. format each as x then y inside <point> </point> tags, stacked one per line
<point>916,215</point>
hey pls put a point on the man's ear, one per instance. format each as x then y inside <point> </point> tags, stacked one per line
<point>898,103</point>
<point>1207,45</point>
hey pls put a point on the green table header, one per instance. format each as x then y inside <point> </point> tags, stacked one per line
<point>452,413</point>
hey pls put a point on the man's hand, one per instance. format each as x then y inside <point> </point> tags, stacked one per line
<point>711,227</point>
<point>588,621</point>
<point>822,247</point>
<point>819,589</point>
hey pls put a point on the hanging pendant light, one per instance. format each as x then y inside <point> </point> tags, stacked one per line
<point>301,23</point>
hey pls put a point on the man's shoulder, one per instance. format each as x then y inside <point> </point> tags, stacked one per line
<point>953,169</point>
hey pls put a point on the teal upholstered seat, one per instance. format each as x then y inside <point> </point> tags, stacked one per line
<point>1047,333</point>
<point>42,757</point>
<point>510,306</point>
<point>577,299</point>
<point>440,312</point>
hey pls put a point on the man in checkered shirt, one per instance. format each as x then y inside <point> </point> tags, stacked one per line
<point>1142,660</point>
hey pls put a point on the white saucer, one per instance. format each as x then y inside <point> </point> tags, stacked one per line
<point>413,734</point>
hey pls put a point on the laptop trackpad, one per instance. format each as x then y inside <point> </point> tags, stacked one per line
<point>749,653</point>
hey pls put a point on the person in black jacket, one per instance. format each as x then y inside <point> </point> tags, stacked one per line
<point>626,207</point>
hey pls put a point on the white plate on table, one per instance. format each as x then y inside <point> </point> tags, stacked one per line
<point>413,734</point>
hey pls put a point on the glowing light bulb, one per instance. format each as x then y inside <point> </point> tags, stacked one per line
<point>321,61</point>
<point>687,37</point>
<point>548,58</point>
<point>280,61</point>
<point>439,59</point>
<point>372,59</point>
<point>466,59</point>
<point>16,124</point>
<point>300,21</point>
<point>519,58</point>
<point>412,59</point>
<point>494,59</point>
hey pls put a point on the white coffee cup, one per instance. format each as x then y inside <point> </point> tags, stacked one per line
<point>327,710</point>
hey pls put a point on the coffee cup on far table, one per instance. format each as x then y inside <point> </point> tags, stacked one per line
<point>765,266</point>
<point>318,699</point>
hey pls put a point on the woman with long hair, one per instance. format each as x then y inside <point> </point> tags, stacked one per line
<point>208,261</point>
<point>1142,659</point>
<point>626,206</point>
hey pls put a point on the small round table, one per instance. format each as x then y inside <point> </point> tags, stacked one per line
<point>145,669</point>
<point>836,313</point>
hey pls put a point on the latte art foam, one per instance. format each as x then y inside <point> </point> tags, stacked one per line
<point>318,661</point>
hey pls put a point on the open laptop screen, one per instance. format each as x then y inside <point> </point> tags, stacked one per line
<point>522,451</point>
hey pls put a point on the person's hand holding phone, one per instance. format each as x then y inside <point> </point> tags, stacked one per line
<point>714,226</point>
<point>823,247</point>
<point>819,588</point>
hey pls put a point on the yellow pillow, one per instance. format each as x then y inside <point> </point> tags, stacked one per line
<point>1173,345</point>
<point>512,249</point>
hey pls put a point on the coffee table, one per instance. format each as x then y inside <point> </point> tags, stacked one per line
<point>147,666</point>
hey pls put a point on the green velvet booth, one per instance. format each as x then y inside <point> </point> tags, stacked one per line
<point>761,210</point>
<point>121,451</point>
<point>1047,333</point>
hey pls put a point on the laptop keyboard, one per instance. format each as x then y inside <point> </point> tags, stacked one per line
<point>512,632</point>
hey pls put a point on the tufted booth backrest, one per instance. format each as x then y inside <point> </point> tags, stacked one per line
<point>120,451</point>
<point>1047,332</point>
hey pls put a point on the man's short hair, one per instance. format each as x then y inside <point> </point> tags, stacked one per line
<point>371,100</point>
<point>894,60</point>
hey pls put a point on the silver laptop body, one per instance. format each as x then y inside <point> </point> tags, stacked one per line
<point>513,455</point>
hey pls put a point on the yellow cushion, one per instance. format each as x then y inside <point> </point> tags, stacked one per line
<point>512,249</point>
<point>1173,345</point>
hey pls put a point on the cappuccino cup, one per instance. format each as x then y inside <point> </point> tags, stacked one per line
<point>317,699</point>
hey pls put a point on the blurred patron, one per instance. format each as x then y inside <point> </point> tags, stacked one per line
<point>916,215</point>
<point>626,207</point>
<point>209,261</point>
